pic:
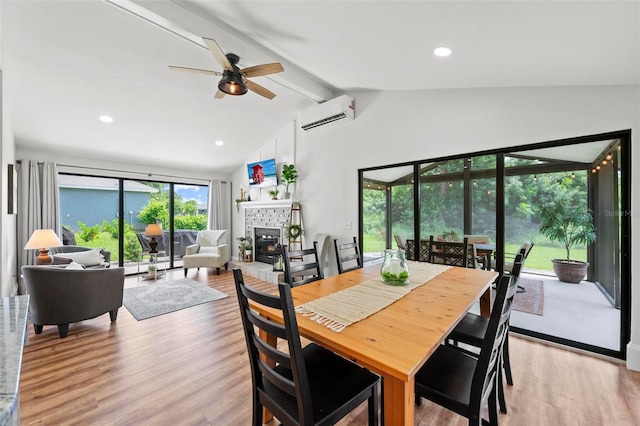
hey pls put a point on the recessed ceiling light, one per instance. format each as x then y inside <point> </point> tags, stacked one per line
<point>219,143</point>
<point>442,51</point>
<point>106,119</point>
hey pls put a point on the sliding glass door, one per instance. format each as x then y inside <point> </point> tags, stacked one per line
<point>92,217</point>
<point>89,212</point>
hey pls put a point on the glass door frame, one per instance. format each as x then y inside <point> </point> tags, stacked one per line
<point>624,137</point>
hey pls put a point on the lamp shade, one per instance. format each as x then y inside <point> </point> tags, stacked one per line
<point>43,238</point>
<point>153,230</point>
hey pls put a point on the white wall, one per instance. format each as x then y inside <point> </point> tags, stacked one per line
<point>395,127</point>
<point>8,274</point>
<point>282,148</point>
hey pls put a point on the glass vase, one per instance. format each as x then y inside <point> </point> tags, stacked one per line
<point>394,270</point>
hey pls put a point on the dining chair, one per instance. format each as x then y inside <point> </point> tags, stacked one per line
<point>299,386</point>
<point>302,266</point>
<point>524,249</point>
<point>348,255</point>
<point>461,382</point>
<point>472,329</point>
<point>455,253</point>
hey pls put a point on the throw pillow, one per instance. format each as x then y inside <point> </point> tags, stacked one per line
<point>86,258</point>
<point>74,265</point>
<point>211,238</point>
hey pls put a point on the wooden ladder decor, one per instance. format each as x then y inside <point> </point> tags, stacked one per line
<point>295,218</point>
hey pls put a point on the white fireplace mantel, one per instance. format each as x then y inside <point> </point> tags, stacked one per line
<point>265,203</point>
<point>271,213</point>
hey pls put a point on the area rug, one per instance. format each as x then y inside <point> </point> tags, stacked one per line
<point>532,300</point>
<point>162,297</point>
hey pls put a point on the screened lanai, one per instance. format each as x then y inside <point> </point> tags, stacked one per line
<point>499,195</point>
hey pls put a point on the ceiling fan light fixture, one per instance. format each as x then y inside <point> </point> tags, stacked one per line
<point>232,84</point>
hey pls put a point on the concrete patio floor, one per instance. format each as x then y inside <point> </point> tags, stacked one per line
<point>578,312</point>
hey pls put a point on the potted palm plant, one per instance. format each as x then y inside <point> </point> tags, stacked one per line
<point>568,224</point>
<point>289,175</point>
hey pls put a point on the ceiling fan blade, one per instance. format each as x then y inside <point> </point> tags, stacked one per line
<point>264,69</point>
<point>196,70</point>
<point>218,53</point>
<point>262,91</point>
<point>219,94</point>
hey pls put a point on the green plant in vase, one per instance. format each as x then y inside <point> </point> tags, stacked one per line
<point>289,176</point>
<point>274,193</point>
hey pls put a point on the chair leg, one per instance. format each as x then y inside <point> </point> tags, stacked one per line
<point>37,328</point>
<point>257,413</point>
<point>185,271</point>
<point>501,400</point>
<point>382,399</point>
<point>217,271</point>
<point>506,363</point>
<point>372,404</point>
<point>493,409</point>
<point>113,314</point>
<point>63,330</point>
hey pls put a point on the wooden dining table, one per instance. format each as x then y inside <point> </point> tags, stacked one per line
<point>397,340</point>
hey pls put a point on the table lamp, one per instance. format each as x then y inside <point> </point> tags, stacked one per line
<point>153,230</point>
<point>42,240</point>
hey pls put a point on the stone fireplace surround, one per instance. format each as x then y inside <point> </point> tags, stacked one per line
<point>273,214</point>
<point>266,214</point>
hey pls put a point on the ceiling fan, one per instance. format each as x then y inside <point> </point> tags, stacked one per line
<point>234,80</point>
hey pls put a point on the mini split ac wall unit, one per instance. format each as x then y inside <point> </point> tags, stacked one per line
<point>330,111</point>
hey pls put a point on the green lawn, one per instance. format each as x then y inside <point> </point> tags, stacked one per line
<point>539,257</point>
<point>103,241</point>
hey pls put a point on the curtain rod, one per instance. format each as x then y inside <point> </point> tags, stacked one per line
<point>148,174</point>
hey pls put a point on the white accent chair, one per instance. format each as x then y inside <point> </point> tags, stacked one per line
<point>211,250</point>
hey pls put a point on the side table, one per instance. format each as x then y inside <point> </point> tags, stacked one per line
<point>157,265</point>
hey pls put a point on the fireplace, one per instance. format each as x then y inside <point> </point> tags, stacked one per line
<point>265,242</point>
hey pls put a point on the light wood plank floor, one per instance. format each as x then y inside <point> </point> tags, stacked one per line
<point>190,368</point>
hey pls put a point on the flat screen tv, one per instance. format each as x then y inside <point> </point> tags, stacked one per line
<point>263,173</point>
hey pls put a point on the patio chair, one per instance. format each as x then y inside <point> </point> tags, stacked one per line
<point>455,253</point>
<point>401,241</point>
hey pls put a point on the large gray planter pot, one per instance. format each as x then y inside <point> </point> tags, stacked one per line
<point>570,271</point>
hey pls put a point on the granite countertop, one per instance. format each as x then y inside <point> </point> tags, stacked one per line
<point>13,328</point>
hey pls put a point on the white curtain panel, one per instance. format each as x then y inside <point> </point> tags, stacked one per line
<point>50,198</point>
<point>219,205</point>
<point>215,196</point>
<point>38,206</point>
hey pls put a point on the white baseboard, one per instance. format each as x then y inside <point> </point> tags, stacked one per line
<point>633,356</point>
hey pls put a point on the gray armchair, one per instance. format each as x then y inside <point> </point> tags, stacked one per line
<point>61,296</point>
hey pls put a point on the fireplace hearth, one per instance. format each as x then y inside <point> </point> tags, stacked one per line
<point>265,242</point>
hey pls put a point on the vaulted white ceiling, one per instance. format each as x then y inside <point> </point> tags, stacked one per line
<point>66,63</point>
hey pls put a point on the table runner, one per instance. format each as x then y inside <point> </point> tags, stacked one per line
<point>343,308</point>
